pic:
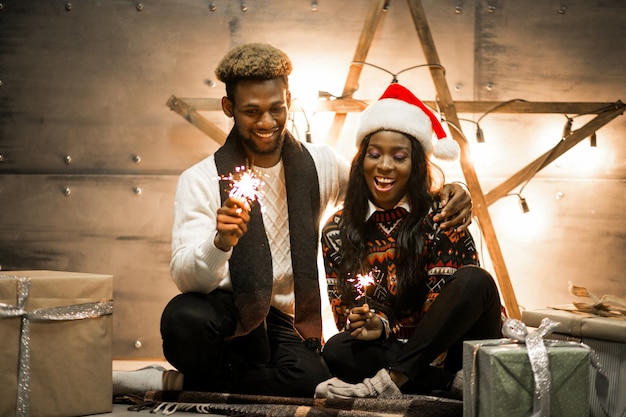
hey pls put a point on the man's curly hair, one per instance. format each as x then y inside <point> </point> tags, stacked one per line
<point>252,61</point>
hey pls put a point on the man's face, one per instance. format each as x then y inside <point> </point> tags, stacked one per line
<point>260,112</point>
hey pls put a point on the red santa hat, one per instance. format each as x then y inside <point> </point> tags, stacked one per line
<point>399,110</point>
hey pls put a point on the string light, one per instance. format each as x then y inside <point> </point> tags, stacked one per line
<point>522,202</point>
<point>567,129</point>
<point>395,76</point>
<point>480,137</point>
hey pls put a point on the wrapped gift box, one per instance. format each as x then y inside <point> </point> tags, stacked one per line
<point>607,337</point>
<point>499,380</point>
<point>59,324</point>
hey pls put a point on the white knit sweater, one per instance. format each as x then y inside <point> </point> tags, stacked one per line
<point>198,266</point>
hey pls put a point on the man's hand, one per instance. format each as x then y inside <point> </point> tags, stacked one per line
<point>363,324</point>
<point>232,223</point>
<point>456,204</point>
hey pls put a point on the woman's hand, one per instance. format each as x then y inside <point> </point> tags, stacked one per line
<point>363,324</point>
<point>456,207</point>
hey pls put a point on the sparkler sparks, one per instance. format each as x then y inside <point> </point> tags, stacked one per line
<point>361,282</point>
<point>245,183</point>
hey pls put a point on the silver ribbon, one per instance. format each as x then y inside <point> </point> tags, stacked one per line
<point>516,331</point>
<point>538,355</point>
<point>72,312</point>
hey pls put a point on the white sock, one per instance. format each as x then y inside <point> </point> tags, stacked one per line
<point>139,381</point>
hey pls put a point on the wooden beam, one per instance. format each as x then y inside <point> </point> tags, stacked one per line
<point>365,41</point>
<point>530,170</point>
<point>480,208</point>
<point>528,107</point>
<point>192,116</point>
<point>201,104</point>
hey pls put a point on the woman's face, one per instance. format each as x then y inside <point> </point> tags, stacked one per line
<point>387,167</point>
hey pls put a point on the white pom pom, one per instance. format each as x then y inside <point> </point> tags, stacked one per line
<point>446,149</point>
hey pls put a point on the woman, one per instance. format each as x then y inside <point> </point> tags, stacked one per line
<point>404,293</point>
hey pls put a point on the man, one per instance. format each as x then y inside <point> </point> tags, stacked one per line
<point>248,317</point>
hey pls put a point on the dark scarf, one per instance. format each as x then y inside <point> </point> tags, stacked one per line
<point>251,262</point>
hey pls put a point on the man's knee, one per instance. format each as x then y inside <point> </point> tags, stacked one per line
<point>192,315</point>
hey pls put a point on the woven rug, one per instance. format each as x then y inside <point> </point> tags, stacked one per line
<point>168,402</point>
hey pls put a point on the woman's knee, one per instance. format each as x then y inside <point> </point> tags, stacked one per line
<point>476,280</point>
<point>337,348</point>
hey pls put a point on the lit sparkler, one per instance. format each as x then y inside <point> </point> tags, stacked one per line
<point>246,183</point>
<point>361,282</point>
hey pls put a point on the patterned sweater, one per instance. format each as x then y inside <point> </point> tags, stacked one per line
<point>444,252</point>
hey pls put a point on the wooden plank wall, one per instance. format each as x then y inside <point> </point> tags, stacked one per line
<point>83,110</point>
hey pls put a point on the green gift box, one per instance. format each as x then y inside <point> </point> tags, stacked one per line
<point>499,379</point>
<point>607,337</point>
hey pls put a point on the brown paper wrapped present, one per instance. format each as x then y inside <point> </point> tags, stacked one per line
<point>56,343</point>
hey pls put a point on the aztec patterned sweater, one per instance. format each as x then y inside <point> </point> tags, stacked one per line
<point>444,252</point>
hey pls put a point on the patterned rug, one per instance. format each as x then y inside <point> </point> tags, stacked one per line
<point>168,402</point>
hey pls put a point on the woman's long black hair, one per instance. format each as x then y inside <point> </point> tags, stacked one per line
<point>422,188</point>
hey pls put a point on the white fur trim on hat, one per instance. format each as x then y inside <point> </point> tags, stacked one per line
<point>399,116</point>
<point>399,110</point>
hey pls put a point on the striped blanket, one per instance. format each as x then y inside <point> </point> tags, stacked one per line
<point>168,402</point>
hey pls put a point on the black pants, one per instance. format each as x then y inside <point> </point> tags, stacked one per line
<point>271,360</point>
<point>467,308</point>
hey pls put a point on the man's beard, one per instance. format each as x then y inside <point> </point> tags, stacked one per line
<point>252,145</point>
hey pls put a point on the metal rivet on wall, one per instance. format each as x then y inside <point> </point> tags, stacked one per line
<point>67,159</point>
<point>1,7</point>
<point>244,7</point>
<point>68,6</point>
<point>458,86</point>
<point>67,191</point>
<point>458,9</point>
<point>314,5</point>
<point>491,9</point>
<point>562,9</point>
<point>1,158</point>
<point>386,5</point>
<point>137,190</point>
<point>139,6</point>
<point>136,159</point>
<point>212,7</point>
<point>559,195</point>
<point>138,344</point>
<point>489,86</point>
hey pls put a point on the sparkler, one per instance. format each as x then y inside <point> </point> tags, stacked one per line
<point>246,183</point>
<point>361,282</point>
